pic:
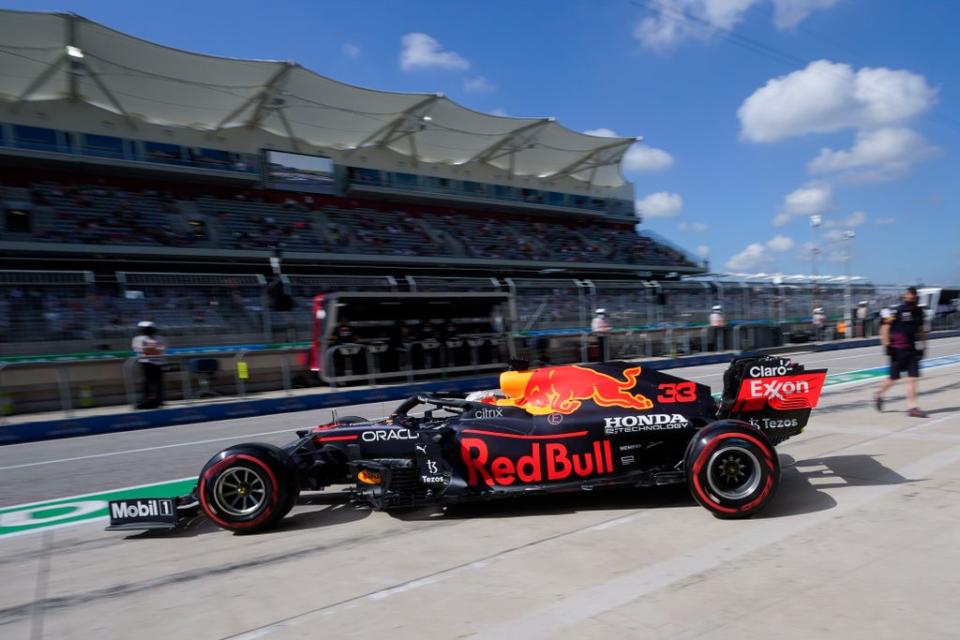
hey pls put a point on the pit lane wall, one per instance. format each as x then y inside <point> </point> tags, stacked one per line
<point>129,421</point>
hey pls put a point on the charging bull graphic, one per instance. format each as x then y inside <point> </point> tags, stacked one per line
<point>562,389</point>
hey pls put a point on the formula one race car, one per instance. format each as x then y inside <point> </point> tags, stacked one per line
<point>555,429</point>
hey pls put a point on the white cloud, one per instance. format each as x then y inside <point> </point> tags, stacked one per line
<point>478,84</point>
<point>693,227</point>
<point>855,219</point>
<point>660,205</point>
<point>350,50</point>
<point>789,13</point>
<point>500,111</point>
<point>828,96</point>
<point>639,157</point>
<point>834,235</point>
<point>808,200</point>
<point>603,132</point>
<point>780,244</point>
<point>760,255</point>
<point>879,154</point>
<point>703,250</point>
<point>753,256</point>
<point>421,51</point>
<point>885,221</point>
<point>676,21</point>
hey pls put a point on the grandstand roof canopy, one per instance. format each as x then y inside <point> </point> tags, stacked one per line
<point>50,56</point>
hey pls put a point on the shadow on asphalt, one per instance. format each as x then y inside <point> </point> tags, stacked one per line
<point>801,491</point>
<point>932,412</point>
<point>559,504</point>
<point>802,482</point>
<point>334,512</point>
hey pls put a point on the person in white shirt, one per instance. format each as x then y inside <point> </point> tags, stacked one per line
<point>863,312</point>
<point>716,317</point>
<point>600,324</point>
<point>150,349</point>
<point>819,323</point>
<point>716,331</point>
<point>600,327</point>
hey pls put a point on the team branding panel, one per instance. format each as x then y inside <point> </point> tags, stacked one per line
<point>142,510</point>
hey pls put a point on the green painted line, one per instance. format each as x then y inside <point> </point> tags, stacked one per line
<point>77,509</point>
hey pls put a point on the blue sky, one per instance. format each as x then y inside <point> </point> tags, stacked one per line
<point>755,113</point>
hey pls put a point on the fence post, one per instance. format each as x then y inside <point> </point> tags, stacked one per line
<point>186,388</point>
<point>285,372</point>
<point>63,382</point>
<point>3,413</point>
<point>128,381</point>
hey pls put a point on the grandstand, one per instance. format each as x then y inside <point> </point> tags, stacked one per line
<point>110,143</point>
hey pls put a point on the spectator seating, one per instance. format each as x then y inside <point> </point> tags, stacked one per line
<point>264,220</point>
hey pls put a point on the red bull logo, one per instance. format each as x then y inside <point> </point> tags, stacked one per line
<point>546,462</point>
<point>563,389</point>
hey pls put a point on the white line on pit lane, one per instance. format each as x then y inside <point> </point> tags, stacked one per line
<point>819,361</point>
<point>158,447</point>
<point>143,450</point>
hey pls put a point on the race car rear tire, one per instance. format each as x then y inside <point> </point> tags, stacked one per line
<point>248,487</point>
<point>732,469</point>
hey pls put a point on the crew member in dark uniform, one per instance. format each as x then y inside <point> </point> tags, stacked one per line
<point>903,336</point>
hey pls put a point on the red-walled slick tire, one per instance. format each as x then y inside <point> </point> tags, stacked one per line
<point>732,469</point>
<point>248,487</point>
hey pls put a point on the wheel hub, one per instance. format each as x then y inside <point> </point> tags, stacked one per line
<point>240,491</point>
<point>734,473</point>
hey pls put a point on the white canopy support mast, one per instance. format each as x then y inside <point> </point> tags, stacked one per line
<point>406,124</point>
<point>512,143</point>
<point>592,160</point>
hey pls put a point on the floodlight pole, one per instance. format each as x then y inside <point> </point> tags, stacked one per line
<point>815,221</point>
<point>847,297</point>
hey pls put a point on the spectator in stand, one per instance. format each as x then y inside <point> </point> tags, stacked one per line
<point>150,350</point>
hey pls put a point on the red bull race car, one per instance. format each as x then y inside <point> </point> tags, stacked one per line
<point>556,429</point>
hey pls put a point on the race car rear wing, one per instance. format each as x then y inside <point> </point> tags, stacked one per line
<point>773,394</point>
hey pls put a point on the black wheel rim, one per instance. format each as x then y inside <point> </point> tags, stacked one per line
<point>733,473</point>
<point>240,491</point>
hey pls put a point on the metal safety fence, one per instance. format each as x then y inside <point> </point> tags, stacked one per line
<point>47,311</point>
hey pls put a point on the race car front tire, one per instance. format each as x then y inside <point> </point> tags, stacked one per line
<point>248,487</point>
<point>732,469</point>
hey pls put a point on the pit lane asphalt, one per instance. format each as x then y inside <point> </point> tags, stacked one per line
<point>860,542</point>
<point>37,471</point>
